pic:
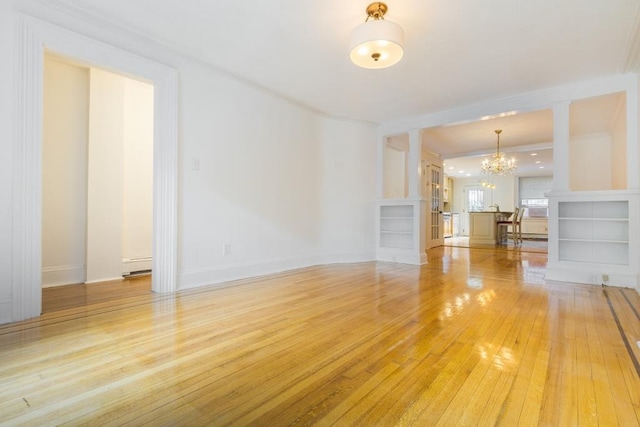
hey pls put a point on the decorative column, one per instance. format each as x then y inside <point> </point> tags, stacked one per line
<point>561,146</point>
<point>413,163</point>
<point>633,133</point>
<point>380,142</point>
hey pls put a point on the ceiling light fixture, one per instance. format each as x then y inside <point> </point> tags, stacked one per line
<point>498,164</point>
<point>376,43</point>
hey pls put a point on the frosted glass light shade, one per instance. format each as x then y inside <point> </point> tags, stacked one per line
<point>377,44</point>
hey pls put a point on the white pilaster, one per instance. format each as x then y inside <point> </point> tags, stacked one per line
<point>27,172</point>
<point>633,133</point>
<point>380,143</point>
<point>561,146</point>
<point>413,165</point>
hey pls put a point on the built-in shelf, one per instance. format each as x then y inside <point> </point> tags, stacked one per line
<point>593,235</point>
<point>594,232</point>
<point>400,230</point>
<point>396,226</point>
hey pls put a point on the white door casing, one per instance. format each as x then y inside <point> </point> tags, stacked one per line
<point>31,38</point>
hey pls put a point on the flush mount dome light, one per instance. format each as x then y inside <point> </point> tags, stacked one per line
<point>376,43</point>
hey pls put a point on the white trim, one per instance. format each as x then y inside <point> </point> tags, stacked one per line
<point>526,102</point>
<point>31,38</point>
<point>63,275</point>
<point>108,279</point>
<point>590,276</point>
<point>215,275</point>
<point>5,309</point>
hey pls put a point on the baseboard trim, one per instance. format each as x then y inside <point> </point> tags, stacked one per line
<point>215,275</point>
<point>6,303</point>
<point>588,277</point>
<point>62,275</point>
<point>106,279</point>
<point>393,256</point>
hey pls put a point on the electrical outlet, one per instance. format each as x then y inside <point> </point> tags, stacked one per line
<point>605,278</point>
<point>226,249</point>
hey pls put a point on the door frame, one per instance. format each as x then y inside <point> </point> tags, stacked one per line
<point>429,188</point>
<point>31,37</point>
<point>465,211</point>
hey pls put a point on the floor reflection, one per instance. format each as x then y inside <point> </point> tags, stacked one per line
<point>528,245</point>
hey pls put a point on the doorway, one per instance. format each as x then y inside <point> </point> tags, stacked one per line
<point>97,206</point>
<point>29,46</point>
<point>433,189</point>
<point>474,201</point>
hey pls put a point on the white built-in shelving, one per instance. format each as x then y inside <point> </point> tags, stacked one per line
<point>396,226</point>
<point>594,235</point>
<point>594,232</point>
<point>400,230</point>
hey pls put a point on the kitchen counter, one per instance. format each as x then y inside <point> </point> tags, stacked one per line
<point>483,229</point>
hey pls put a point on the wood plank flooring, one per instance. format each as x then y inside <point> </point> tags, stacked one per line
<point>475,337</point>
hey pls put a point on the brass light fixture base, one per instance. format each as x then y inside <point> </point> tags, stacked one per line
<point>498,131</point>
<point>377,10</point>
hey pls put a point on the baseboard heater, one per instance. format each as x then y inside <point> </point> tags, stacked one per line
<point>136,266</point>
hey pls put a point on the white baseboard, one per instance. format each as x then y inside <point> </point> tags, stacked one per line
<point>565,274</point>
<point>104,279</point>
<point>6,308</point>
<point>62,275</point>
<point>394,256</point>
<point>215,275</point>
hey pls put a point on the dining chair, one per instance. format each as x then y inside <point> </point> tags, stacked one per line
<point>503,226</point>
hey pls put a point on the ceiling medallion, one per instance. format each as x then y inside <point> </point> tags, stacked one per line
<point>498,164</point>
<point>376,43</point>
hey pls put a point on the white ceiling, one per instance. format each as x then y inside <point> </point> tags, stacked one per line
<point>457,53</point>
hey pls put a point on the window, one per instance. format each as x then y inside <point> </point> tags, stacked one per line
<point>476,200</point>
<point>532,195</point>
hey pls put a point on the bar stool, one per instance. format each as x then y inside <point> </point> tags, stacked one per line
<point>503,226</point>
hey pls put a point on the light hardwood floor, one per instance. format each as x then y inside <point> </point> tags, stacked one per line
<point>475,337</point>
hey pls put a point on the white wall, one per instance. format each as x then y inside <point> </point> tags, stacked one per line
<point>120,190</point>
<point>280,186</point>
<point>590,162</point>
<point>105,177</point>
<point>137,170</point>
<point>394,173</point>
<point>64,172</point>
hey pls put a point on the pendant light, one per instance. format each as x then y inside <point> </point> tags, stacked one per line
<point>498,164</point>
<point>376,43</point>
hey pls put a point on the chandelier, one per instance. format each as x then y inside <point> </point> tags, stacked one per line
<point>376,43</point>
<point>498,164</point>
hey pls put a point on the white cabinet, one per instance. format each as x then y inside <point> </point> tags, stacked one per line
<point>593,237</point>
<point>535,226</point>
